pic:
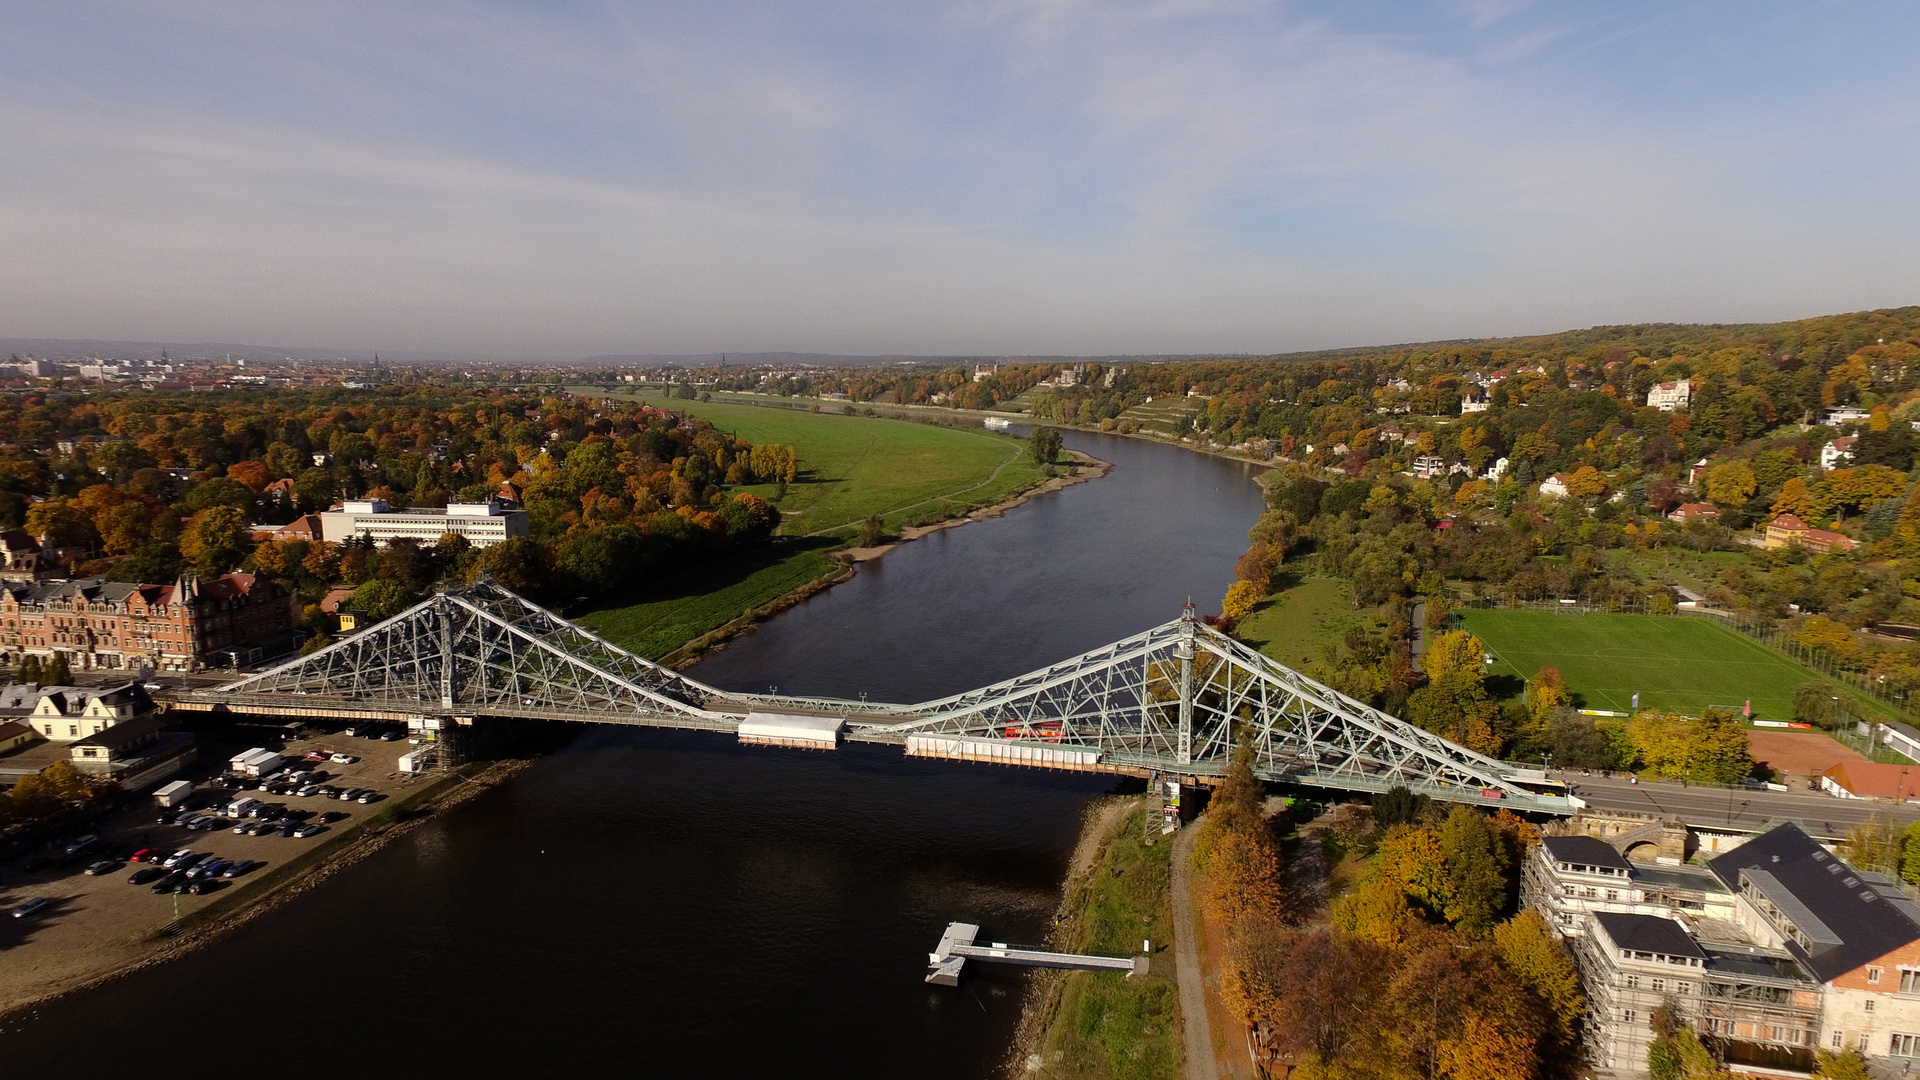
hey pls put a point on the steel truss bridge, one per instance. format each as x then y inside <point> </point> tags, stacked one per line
<point>1172,700</point>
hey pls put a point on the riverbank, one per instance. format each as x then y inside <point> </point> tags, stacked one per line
<point>32,987</point>
<point>1086,1025</point>
<point>1085,467</point>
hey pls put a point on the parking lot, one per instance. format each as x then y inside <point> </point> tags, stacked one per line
<point>91,923</point>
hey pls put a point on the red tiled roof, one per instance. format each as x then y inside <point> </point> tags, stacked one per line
<point>1875,780</point>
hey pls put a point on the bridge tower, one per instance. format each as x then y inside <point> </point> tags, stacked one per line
<point>1185,649</point>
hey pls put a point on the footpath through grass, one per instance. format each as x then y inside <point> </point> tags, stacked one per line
<point>1296,622</point>
<point>1673,662</point>
<point>1105,1026</point>
<point>852,467</point>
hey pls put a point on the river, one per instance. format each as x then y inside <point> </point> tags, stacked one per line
<point>673,904</point>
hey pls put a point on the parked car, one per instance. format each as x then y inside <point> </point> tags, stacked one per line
<point>349,794</point>
<point>203,886</point>
<point>238,867</point>
<point>318,755</point>
<point>168,816</point>
<point>286,827</point>
<point>104,866</point>
<point>148,854</point>
<point>173,861</point>
<point>243,827</point>
<point>38,862</point>
<point>146,874</point>
<point>170,882</point>
<point>389,736</point>
<point>30,907</point>
<point>368,796</point>
<point>83,845</point>
<point>344,759</point>
<point>332,816</point>
<point>310,829</point>
<point>308,792</point>
<point>328,791</point>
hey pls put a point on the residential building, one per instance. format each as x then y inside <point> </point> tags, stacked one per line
<point>1846,414</point>
<point>1669,396</point>
<point>1788,529</point>
<point>1698,471</point>
<point>1871,780</point>
<point>1837,452</point>
<point>66,713</point>
<point>1429,465</point>
<point>483,524</point>
<point>21,556</point>
<point>15,734</point>
<point>1475,404</point>
<point>1903,737</point>
<point>135,754</point>
<point>1554,487</point>
<point>305,527</point>
<point>1498,469</point>
<point>1785,950</point>
<point>1686,512</point>
<point>184,626</point>
<point>1567,878</point>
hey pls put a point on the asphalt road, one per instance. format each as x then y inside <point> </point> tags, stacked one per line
<point>1706,807</point>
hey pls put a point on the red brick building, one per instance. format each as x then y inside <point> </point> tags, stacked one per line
<point>108,624</point>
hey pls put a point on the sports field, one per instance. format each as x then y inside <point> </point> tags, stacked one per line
<point>1672,662</point>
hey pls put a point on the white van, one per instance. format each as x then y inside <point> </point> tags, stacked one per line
<point>240,807</point>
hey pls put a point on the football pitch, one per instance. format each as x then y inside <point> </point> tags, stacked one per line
<point>1673,662</point>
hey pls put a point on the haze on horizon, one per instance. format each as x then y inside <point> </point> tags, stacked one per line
<point>981,176</point>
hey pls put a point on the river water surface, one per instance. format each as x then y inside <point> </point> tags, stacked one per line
<point>672,904</point>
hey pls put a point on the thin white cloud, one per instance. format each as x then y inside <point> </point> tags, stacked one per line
<point>1045,175</point>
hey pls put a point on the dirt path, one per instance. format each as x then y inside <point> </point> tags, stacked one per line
<point>1197,1031</point>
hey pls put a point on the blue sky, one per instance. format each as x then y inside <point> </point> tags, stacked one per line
<point>999,176</point>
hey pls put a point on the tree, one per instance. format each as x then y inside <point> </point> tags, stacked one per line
<point>1044,445</point>
<point>154,562</point>
<point>1843,1065</point>
<point>1540,963</point>
<point>1578,743</point>
<point>1545,692</point>
<point>1820,632</point>
<point>1794,499</point>
<point>519,564</point>
<point>57,671</point>
<point>1731,483</point>
<point>1816,703</point>
<point>1454,651</point>
<point>215,540</point>
<point>1240,600</point>
<point>1476,860</point>
<point>1586,482</point>
<point>1398,805</point>
<point>29,670</point>
<point>381,599</point>
<point>253,474</point>
<point>62,523</point>
<point>1713,748</point>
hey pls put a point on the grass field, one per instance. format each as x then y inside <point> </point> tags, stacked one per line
<point>1685,664</point>
<point>1109,1028</point>
<point>659,619</point>
<point>854,466</point>
<point>1294,624</point>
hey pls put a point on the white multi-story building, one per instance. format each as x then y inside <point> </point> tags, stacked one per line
<point>1773,950</point>
<point>1669,396</point>
<point>483,524</point>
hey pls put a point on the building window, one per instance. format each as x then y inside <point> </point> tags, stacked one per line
<point>1659,986</point>
<point>1869,1004</point>
<point>1909,981</point>
<point>1613,894</point>
<point>1873,974</point>
<point>1862,1047</point>
<point>1836,1040</point>
<point>1904,1046</point>
<point>1633,981</point>
<point>1626,1016</point>
<point>73,729</point>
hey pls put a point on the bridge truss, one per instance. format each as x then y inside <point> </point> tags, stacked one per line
<point>1176,699</point>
